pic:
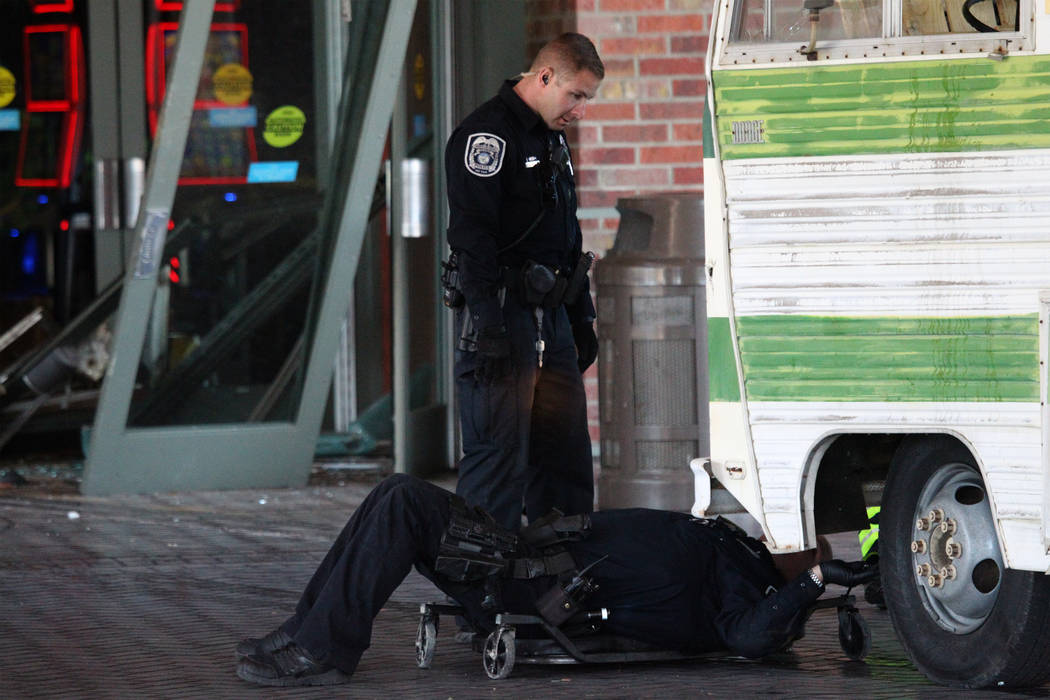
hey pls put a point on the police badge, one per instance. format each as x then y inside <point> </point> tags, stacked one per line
<point>484,155</point>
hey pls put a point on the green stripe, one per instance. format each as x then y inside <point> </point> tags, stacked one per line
<point>709,137</point>
<point>971,104</point>
<point>814,358</point>
<point>722,381</point>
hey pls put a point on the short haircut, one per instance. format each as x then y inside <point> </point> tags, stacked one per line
<point>570,53</point>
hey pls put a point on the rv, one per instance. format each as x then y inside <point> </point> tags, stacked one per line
<point>877,224</point>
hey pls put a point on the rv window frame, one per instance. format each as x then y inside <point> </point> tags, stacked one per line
<point>890,45</point>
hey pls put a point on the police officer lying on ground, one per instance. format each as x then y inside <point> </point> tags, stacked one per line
<point>667,579</point>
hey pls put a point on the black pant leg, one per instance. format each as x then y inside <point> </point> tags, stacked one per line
<point>561,467</point>
<point>399,524</point>
<point>495,420</point>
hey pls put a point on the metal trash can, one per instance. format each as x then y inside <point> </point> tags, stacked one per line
<point>652,333</point>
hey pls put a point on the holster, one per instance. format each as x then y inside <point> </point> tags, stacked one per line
<point>536,284</point>
<point>474,546</point>
<point>557,605</point>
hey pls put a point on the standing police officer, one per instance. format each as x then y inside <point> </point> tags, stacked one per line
<point>526,332</point>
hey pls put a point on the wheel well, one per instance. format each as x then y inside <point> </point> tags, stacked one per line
<point>850,477</point>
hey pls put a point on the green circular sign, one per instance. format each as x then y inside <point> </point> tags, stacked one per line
<point>284,126</point>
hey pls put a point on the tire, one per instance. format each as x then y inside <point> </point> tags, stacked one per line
<point>986,626</point>
<point>854,635</point>
<point>499,653</point>
<point>426,640</point>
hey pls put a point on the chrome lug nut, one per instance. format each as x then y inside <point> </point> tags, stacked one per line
<point>949,572</point>
<point>953,549</point>
<point>922,524</point>
<point>918,547</point>
<point>923,570</point>
<point>936,515</point>
<point>948,526</point>
<point>935,580</point>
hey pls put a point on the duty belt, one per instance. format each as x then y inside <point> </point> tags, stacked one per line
<point>534,567</point>
<point>474,547</point>
<point>548,287</point>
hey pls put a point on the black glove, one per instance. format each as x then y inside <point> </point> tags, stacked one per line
<point>848,573</point>
<point>586,345</point>
<point>493,360</point>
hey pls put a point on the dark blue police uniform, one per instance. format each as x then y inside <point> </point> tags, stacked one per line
<point>512,200</point>
<point>666,578</point>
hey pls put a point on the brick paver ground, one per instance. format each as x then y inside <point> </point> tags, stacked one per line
<point>146,596</point>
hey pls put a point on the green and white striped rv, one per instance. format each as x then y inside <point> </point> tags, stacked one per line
<point>877,193</point>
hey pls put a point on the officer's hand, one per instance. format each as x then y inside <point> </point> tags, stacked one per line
<point>586,345</point>
<point>848,573</point>
<point>493,360</point>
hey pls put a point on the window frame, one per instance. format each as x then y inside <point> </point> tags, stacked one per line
<point>892,44</point>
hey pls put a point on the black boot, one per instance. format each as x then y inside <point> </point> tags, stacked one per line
<point>264,645</point>
<point>290,665</point>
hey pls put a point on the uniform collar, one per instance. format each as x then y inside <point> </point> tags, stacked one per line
<point>525,114</point>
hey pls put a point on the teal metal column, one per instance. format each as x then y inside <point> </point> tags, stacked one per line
<point>122,459</point>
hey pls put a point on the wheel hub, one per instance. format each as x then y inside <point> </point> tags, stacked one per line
<point>955,552</point>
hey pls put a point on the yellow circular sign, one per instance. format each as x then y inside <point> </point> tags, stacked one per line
<point>232,84</point>
<point>284,126</point>
<point>419,76</point>
<point>7,87</point>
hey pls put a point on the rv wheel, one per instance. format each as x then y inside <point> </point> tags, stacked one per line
<point>963,617</point>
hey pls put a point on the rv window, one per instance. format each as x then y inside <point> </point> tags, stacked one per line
<point>786,20</point>
<point>959,16</point>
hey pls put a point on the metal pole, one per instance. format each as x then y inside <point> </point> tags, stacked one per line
<point>399,280</point>
<point>443,99</point>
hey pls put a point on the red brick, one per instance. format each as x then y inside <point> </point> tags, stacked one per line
<point>671,110</point>
<point>634,46</point>
<point>689,176</point>
<point>689,88</point>
<point>598,26</point>
<point>619,67</point>
<point>584,135</point>
<point>656,90</point>
<point>691,131</point>
<point>695,43</point>
<point>586,177</point>
<point>610,224</point>
<point>634,133</point>
<point>602,198</point>
<point>671,154</point>
<point>610,111</point>
<point>606,156</point>
<point>631,5</point>
<point>671,66</point>
<point>635,177</point>
<point>585,6</point>
<point>670,24</point>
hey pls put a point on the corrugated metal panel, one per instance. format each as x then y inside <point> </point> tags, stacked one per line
<point>967,104</point>
<point>876,236</point>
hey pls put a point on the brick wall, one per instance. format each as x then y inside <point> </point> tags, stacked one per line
<point>643,132</point>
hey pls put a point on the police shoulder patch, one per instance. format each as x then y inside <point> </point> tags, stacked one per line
<point>484,155</point>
